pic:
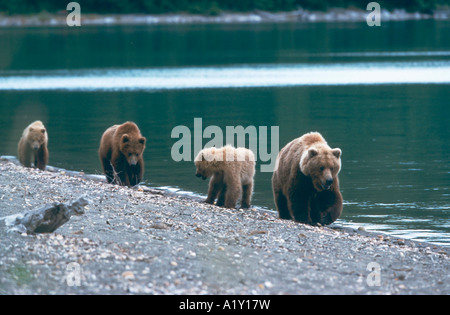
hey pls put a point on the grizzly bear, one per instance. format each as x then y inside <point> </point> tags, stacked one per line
<point>305,182</point>
<point>32,147</point>
<point>121,154</point>
<point>231,171</point>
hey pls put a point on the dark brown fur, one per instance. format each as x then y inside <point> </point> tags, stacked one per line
<point>305,183</point>
<point>32,148</point>
<point>121,154</point>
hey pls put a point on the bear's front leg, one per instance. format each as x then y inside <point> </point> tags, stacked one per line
<point>299,207</point>
<point>26,156</point>
<point>282,206</point>
<point>41,159</point>
<point>215,186</point>
<point>326,207</point>
<point>126,180</point>
<point>136,175</point>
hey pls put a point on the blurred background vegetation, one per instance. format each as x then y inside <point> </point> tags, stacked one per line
<point>208,7</point>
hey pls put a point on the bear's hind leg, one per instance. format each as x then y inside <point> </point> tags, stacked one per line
<point>222,194</point>
<point>234,191</point>
<point>108,170</point>
<point>246,195</point>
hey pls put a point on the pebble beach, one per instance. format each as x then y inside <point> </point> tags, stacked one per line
<point>145,241</point>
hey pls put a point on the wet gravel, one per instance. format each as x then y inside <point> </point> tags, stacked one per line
<point>142,241</point>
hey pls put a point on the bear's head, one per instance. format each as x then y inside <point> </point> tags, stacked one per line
<point>36,137</point>
<point>207,162</point>
<point>322,164</point>
<point>132,148</point>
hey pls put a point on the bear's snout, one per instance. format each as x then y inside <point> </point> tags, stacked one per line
<point>328,183</point>
<point>133,161</point>
<point>200,175</point>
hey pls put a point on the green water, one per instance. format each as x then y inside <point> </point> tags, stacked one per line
<point>394,136</point>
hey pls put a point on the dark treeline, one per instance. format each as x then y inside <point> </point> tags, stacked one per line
<point>211,7</point>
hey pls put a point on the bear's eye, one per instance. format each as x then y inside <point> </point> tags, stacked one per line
<point>322,168</point>
<point>129,154</point>
<point>332,168</point>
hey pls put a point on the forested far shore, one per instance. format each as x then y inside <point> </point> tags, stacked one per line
<point>208,7</point>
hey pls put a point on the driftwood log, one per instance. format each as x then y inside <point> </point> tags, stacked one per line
<point>46,219</point>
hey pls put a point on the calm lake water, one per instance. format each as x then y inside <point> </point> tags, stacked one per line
<point>380,94</point>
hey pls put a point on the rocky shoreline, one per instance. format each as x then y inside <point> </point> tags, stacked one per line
<point>257,16</point>
<point>139,241</point>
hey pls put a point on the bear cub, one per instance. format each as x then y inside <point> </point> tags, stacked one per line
<point>231,171</point>
<point>32,147</point>
<point>121,154</point>
<point>305,183</point>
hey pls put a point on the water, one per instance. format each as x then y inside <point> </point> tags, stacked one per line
<point>380,94</point>
<point>228,77</point>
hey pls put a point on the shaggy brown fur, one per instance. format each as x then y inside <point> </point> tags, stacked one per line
<point>231,171</point>
<point>32,148</point>
<point>305,183</point>
<point>121,154</point>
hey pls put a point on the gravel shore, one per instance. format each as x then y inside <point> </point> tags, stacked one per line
<point>140,241</point>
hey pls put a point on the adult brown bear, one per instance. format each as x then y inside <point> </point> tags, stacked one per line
<point>121,154</point>
<point>305,183</point>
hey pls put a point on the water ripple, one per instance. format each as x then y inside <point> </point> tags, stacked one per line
<point>244,76</point>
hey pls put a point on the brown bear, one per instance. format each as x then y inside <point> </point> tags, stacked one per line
<point>231,171</point>
<point>32,148</point>
<point>305,182</point>
<point>121,154</point>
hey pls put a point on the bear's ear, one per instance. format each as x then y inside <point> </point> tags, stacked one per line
<point>30,129</point>
<point>43,131</point>
<point>337,152</point>
<point>125,138</point>
<point>142,140</point>
<point>312,152</point>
